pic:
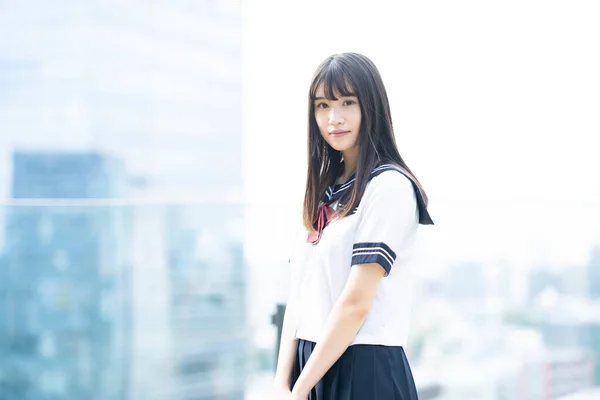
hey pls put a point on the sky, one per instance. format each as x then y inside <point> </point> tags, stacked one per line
<point>496,108</point>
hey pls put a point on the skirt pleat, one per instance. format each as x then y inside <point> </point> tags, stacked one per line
<point>363,372</point>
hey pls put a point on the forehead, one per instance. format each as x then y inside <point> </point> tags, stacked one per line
<point>325,91</point>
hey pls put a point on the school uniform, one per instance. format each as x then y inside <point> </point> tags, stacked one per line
<point>381,230</point>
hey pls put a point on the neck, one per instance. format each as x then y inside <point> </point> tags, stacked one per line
<point>350,161</point>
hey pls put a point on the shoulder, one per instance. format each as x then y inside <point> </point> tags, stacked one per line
<point>390,182</point>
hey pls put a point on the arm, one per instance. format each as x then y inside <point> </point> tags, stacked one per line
<point>287,350</point>
<point>288,343</point>
<point>343,323</point>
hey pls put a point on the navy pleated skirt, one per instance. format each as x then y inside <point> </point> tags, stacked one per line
<point>363,372</point>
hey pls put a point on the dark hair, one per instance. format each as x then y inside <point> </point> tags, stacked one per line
<point>349,74</point>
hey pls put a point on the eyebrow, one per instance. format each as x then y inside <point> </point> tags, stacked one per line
<point>323,98</point>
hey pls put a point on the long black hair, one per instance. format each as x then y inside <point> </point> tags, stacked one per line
<point>350,74</point>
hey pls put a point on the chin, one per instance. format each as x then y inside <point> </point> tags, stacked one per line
<point>339,147</point>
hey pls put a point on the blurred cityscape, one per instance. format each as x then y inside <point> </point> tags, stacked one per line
<point>123,254</point>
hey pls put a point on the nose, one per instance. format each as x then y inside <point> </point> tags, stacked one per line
<point>335,116</point>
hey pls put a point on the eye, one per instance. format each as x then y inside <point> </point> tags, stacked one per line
<point>322,105</point>
<point>349,102</point>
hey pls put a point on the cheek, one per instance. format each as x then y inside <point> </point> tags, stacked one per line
<point>320,120</point>
<point>322,124</point>
<point>357,117</point>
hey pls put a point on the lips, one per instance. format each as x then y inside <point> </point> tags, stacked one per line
<point>338,132</point>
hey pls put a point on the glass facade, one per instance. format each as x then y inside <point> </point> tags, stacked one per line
<point>113,114</point>
<point>122,302</point>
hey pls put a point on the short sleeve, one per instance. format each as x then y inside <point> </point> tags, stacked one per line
<point>388,214</point>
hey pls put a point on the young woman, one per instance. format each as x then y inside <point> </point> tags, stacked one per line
<point>347,316</point>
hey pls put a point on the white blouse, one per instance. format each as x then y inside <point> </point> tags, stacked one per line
<point>381,230</point>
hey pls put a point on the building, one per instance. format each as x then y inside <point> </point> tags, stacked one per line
<point>63,269</point>
<point>158,87</point>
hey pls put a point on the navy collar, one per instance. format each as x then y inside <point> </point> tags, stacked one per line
<point>336,191</point>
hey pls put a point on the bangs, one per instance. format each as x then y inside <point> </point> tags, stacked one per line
<point>334,81</point>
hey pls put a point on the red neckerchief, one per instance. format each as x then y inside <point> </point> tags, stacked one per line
<point>324,214</point>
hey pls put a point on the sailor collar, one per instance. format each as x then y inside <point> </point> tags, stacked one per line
<point>334,192</point>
